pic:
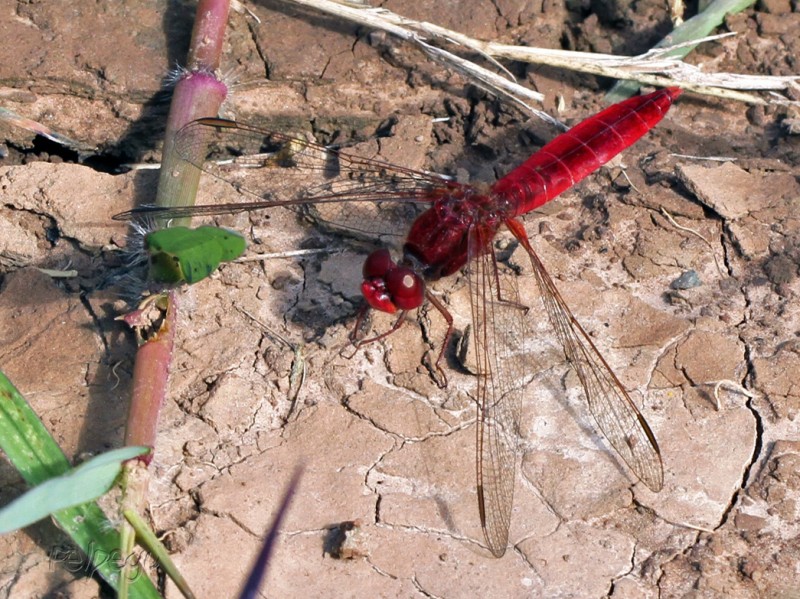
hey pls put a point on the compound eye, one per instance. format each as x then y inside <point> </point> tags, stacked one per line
<point>406,287</point>
<point>377,264</point>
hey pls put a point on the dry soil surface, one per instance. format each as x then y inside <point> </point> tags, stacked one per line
<point>383,446</point>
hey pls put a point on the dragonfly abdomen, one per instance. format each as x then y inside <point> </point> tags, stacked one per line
<point>583,149</point>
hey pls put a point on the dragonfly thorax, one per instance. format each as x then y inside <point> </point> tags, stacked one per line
<point>470,205</point>
<point>439,239</point>
<point>390,287</point>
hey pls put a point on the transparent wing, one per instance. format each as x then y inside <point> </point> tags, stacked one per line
<point>612,408</point>
<point>215,144</point>
<point>500,333</point>
<point>317,181</point>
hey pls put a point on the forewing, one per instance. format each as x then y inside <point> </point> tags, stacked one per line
<point>362,196</point>
<point>498,321</point>
<point>615,413</point>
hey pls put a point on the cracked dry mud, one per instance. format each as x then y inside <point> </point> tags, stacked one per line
<point>382,444</point>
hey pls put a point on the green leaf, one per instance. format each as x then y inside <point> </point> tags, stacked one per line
<point>25,440</point>
<point>183,254</point>
<point>699,26</point>
<point>37,457</point>
<point>85,483</point>
<point>149,540</point>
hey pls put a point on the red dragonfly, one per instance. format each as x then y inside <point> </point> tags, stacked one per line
<point>456,229</point>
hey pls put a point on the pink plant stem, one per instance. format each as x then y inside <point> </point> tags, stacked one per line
<point>151,373</point>
<point>208,34</point>
<point>198,93</point>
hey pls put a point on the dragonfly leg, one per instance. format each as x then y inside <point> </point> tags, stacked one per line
<point>499,287</point>
<point>398,323</point>
<point>437,371</point>
<point>441,378</point>
<point>362,314</point>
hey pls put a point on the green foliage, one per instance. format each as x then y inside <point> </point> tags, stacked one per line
<point>87,482</point>
<point>182,254</point>
<point>37,457</point>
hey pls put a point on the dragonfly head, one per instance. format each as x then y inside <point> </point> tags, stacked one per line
<point>389,287</point>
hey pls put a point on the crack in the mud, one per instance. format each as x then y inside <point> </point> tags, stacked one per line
<point>631,569</point>
<point>378,500</point>
<point>253,27</point>
<point>754,456</point>
<point>451,430</point>
<point>325,68</point>
<point>685,553</point>
<point>759,433</point>
<point>422,591</point>
<point>726,257</point>
<point>237,522</point>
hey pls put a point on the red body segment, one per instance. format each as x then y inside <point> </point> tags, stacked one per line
<point>437,242</point>
<point>582,150</point>
<point>438,239</point>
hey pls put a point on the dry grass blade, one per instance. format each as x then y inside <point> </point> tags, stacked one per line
<point>652,68</point>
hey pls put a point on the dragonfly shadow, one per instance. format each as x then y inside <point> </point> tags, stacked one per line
<point>316,281</point>
<point>566,390</point>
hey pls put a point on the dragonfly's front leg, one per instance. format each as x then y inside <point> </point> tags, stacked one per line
<point>362,315</point>
<point>437,371</point>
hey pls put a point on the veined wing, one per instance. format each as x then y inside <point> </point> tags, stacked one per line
<point>500,334</point>
<point>281,170</point>
<point>221,142</point>
<point>617,416</point>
